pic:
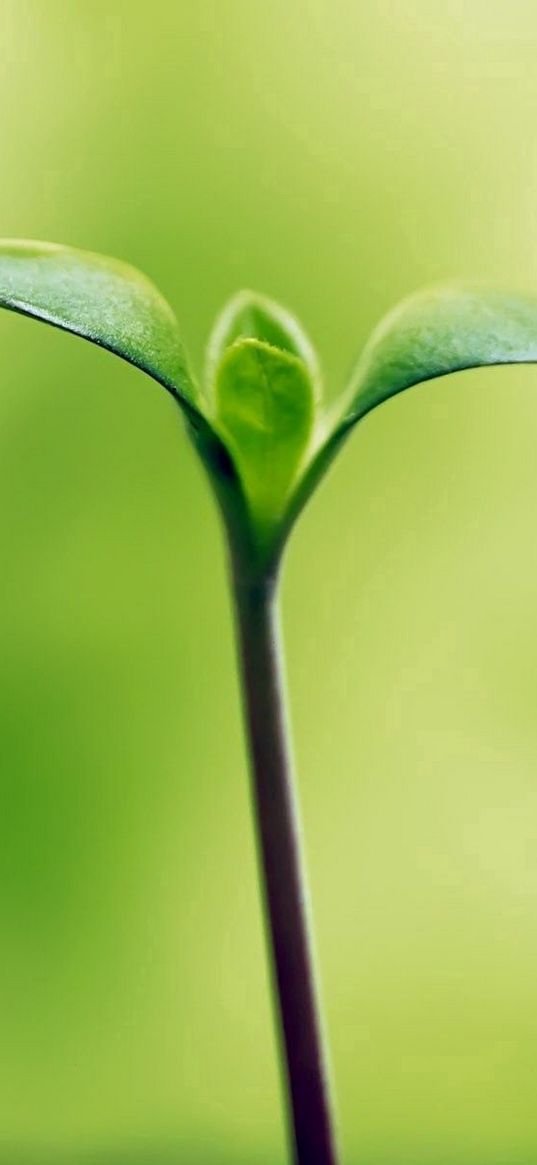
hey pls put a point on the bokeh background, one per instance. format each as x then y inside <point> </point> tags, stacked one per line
<point>335,155</point>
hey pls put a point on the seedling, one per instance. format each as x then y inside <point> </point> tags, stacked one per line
<point>266,439</point>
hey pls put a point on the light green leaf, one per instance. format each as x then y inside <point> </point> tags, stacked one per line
<point>265,410</point>
<point>437,331</point>
<point>249,316</point>
<point>101,299</point>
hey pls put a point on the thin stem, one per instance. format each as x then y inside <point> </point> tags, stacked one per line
<point>310,1115</point>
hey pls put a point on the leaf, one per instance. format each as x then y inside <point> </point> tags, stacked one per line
<point>430,334</point>
<point>101,299</point>
<point>249,316</point>
<point>437,331</point>
<point>265,409</point>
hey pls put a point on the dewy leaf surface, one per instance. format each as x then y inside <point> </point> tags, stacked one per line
<point>265,408</point>
<point>101,299</point>
<point>249,316</point>
<point>441,330</point>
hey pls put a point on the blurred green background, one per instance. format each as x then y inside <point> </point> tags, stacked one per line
<point>335,155</point>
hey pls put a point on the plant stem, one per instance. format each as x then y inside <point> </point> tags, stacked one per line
<point>310,1116</point>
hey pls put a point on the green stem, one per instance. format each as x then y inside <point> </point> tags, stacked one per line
<point>310,1115</point>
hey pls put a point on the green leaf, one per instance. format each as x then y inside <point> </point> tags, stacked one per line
<point>437,331</point>
<point>430,334</point>
<point>249,316</point>
<point>265,411</point>
<point>101,299</point>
